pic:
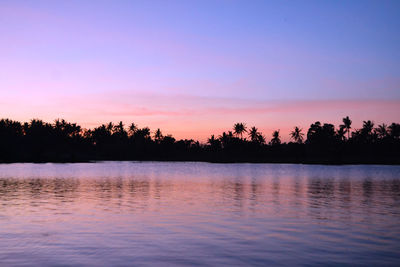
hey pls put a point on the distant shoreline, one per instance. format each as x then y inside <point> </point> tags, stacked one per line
<point>323,143</point>
<point>326,163</point>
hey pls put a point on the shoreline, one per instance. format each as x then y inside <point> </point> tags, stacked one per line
<point>325,163</point>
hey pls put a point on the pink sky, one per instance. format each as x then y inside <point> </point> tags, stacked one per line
<point>187,116</point>
<point>195,68</point>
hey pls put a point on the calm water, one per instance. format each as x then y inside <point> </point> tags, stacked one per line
<point>130,213</point>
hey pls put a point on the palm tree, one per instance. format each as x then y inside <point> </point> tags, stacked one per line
<point>253,134</point>
<point>276,140</point>
<point>158,135</point>
<point>367,128</point>
<point>225,138</point>
<point>143,133</point>
<point>110,127</point>
<point>340,133</point>
<point>239,129</point>
<point>382,131</point>
<point>211,140</point>
<point>132,128</point>
<point>214,143</point>
<point>347,126</point>
<point>119,128</point>
<point>260,139</point>
<point>256,136</point>
<point>394,130</point>
<point>297,135</point>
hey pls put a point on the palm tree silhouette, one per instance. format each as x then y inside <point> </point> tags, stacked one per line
<point>110,127</point>
<point>211,140</point>
<point>341,132</point>
<point>394,130</point>
<point>275,138</point>
<point>367,128</point>
<point>253,134</point>
<point>297,135</point>
<point>347,126</point>
<point>132,128</point>
<point>225,138</point>
<point>64,141</point>
<point>382,131</point>
<point>119,128</point>
<point>256,136</point>
<point>214,143</point>
<point>239,129</point>
<point>260,139</point>
<point>158,135</point>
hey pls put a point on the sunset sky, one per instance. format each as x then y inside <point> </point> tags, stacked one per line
<point>194,68</point>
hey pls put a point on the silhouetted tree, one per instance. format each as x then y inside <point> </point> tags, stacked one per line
<point>382,131</point>
<point>394,131</point>
<point>11,135</point>
<point>239,129</point>
<point>297,135</point>
<point>64,141</point>
<point>110,127</point>
<point>341,133</point>
<point>347,126</point>
<point>143,133</point>
<point>158,136</point>
<point>253,134</point>
<point>226,139</point>
<point>215,144</point>
<point>367,128</point>
<point>119,131</point>
<point>276,140</point>
<point>256,136</point>
<point>132,129</point>
<point>321,134</point>
<point>119,128</point>
<point>365,134</point>
<point>260,139</point>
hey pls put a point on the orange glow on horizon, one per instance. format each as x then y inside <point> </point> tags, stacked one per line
<point>190,117</point>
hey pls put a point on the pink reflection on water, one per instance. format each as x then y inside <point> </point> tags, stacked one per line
<point>118,212</point>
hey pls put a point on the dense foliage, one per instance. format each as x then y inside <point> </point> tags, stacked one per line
<point>62,141</point>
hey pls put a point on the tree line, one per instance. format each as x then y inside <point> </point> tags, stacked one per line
<point>62,141</point>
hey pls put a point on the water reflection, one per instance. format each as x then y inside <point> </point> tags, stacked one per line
<point>241,214</point>
<point>320,195</point>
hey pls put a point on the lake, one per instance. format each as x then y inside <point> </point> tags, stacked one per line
<point>167,214</point>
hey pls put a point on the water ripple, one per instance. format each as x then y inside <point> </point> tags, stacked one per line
<point>198,214</point>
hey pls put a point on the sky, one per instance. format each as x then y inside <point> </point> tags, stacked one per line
<point>194,68</point>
